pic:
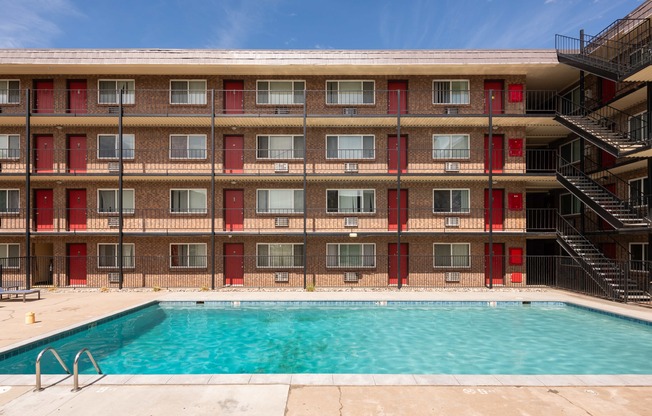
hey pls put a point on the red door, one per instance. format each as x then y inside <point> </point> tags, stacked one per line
<point>392,268</point>
<point>498,269</point>
<point>608,90</point>
<point>498,208</point>
<point>607,160</point>
<point>76,264</point>
<point>77,154</point>
<point>609,250</point>
<point>234,264</point>
<point>233,97</point>
<point>496,88</point>
<point>233,209</point>
<point>44,209</point>
<point>397,99</point>
<point>233,154</point>
<point>43,154</point>
<point>77,96</point>
<point>498,154</point>
<point>604,225</point>
<point>392,209</point>
<point>76,200</point>
<point>44,96</point>
<point>393,154</point>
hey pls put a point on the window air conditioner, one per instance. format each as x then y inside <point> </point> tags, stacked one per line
<point>114,277</point>
<point>452,167</point>
<point>351,221</point>
<point>452,277</point>
<point>452,221</point>
<point>114,166</point>
<point>351,276</point>
<point>351,167</point>
<point>349,111</point>
<point>280,277</point>
<point>281,110</point>
<point>113,222</point>
<point>281,167</point>
<point>281,222</point>
<point>452,110</point>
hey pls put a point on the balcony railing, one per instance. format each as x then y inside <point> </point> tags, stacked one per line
<point>230,103</point>
<point>414,160</point>
<point>249,220</point>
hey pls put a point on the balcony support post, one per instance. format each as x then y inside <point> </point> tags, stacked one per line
<point>305,192</point>
<point>212,257</point>
<point>120,190</point>
<point>28,191</point>
<point>648,189</point>
<point>398,189</point>
<point>648,115</point>
<point>491,192</point>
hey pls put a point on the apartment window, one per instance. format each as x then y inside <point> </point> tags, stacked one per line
<point>350,147</point>
<point>570,152</point>
<point>109,91</point>
<point>188,92</point>
<point>188,146</point>
<point>279,147</point>
<point>9,201</point>
<point>571,101</point>
<point>454,255</point>
<point>188,255</point>
<point>10,256</point>
<point>9,146</point>
<point>107,255</point>
<point>108,146</point>
<point>350,92</point>
<point>280,92</point>
<point>9,91</point>
<point>279,255</point>
<point>451,146</point>
<point>637,191</point>
<point>569,204</point>
<point>350,255</point>
<point>450,91</point>
<point>188,201</point>
<point>638,127</point>
<point>107,201</point>
<point>451,200</point>
<point>638,256</point>
<point>351,201</point>
<point>279,201</point>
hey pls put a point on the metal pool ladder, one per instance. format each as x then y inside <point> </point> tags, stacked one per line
<point>63,365</point>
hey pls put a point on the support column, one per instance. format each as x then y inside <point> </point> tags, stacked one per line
<point>28,191</point>
<point>120,190</point>
<point>305,193</point>
<point>648,115</point>
<point>398,190</point>
<point>491,193</point>
<point>212,257</point>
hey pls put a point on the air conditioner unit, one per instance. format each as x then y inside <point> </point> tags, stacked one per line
<point>281,167</point>
<point>349,111</point>
<point>281,110</point>
<point>452,110</point>
<point>351,276</point>
<point>351,221</point>
<point>113,222</point>
<point>280,277</point>
<point>351,167</point>
<point>114,277</point>
<point>0,110</point>
<point>114,166</point>
<point>281,222</point>
<point>114,110</point>
<point>452,277</point>
<point>452,221</point>
<point>452,167</point>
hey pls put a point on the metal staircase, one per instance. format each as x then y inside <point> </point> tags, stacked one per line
<point>594,122</point>
<point>617,52</point>
<point>606,273</point>
<point>618,213</point>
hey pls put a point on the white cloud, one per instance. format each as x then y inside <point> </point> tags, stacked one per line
<point>32,23</point>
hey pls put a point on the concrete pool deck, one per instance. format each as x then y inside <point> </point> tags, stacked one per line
<point>301,394</point>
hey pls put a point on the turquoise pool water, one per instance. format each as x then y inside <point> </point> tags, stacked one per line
<point>416,338</point>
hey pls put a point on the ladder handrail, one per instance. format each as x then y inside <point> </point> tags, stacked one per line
<point>38,365</point>
<point>75,367</point>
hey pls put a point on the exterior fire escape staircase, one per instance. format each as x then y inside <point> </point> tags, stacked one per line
<point>618,52</point>
<point>605,272</point>
<point>594,122</point>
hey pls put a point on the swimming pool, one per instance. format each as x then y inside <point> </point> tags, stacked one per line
<point>354,337</point>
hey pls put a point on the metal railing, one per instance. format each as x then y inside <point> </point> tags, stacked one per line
<point>75,367</point>
<point>38,365</point>
<point>238,103</point>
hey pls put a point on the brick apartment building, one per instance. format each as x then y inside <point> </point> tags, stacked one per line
<point>330,168</point>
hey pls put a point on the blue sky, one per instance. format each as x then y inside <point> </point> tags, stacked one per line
<point>302,24</point>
